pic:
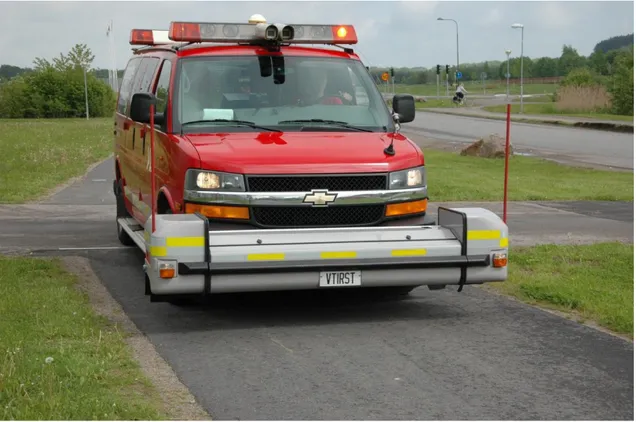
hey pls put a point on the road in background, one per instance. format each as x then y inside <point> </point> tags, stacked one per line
<point>328,355</point>
<point>575,145</point>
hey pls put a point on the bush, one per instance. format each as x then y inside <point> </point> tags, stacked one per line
<point>55,90</point>
<point>51,93</point>
<point>581,77</point>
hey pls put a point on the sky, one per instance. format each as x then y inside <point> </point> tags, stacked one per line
<point>391,33</point>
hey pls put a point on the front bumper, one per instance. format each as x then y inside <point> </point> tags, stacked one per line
<point>458,251</point>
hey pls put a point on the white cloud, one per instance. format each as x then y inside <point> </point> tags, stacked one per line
<point>555,15</point>
<point>494,16</point>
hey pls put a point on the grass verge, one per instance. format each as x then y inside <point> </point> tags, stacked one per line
<point>604,126</point>
<point>550,109</point>
<point>595,282</point>
<point>58,149</point>
<point>452,177</point>
<point>59,360</point>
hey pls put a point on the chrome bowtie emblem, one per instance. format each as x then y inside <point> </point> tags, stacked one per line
<point>319,198</point>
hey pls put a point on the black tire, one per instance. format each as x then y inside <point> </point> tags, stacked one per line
<point>122,212</point>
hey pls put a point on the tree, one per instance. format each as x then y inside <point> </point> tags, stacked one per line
<point>621,85</point>
<point>81,56</point>
<point>615,43</point>
<point>599,63</point>
<point>570,60</point>
<point>546,67</point>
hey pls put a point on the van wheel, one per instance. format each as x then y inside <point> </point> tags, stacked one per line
<point>122,212</point>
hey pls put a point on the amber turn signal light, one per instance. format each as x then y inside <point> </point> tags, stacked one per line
<point>166,270</point>
<point>404,208</point>
<point>218,211</point>
<point>499,260</point>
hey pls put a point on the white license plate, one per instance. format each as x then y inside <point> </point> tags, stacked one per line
<point>340,278</point>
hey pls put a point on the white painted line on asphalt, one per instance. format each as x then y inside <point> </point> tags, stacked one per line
<point>99,180</point>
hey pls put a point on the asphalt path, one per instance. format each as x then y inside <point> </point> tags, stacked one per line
<point>435,355</point>
<point>576,145</point>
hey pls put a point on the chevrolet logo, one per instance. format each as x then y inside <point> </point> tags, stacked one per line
<point>319,198</point>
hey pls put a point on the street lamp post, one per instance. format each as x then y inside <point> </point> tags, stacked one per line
<point>520,26</point>
<point>508,76</point>
<point>457,41</point>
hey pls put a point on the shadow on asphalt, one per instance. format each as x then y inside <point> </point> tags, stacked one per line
<point>120,271</point>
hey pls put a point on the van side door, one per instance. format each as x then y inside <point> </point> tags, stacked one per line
<point>140,136</point>
<point>122,130</point>
<point>163,146</point>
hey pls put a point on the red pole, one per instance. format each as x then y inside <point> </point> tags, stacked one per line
<point>505,204</point>
<point>152,165</point>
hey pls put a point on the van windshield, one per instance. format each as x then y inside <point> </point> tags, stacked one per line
<point>277,93</point>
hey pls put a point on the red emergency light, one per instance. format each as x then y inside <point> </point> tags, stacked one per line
<point>237,32</point>
<point>149,37</point>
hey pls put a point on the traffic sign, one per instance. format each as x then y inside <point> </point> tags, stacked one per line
<point>459,75</point>
<point>507,75</point>
<point>385,76</point>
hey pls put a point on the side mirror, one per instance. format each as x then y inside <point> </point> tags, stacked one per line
<point>140,107</point>
<point>404,106</point>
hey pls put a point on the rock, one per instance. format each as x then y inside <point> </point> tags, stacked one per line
<point>492,147</point>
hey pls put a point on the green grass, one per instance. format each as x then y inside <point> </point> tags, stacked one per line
<point>38,155</point>
<point>91,375</point>
<point>430,90</point>
<point>452,177</point>
<point>61,149</point>
<point>595,282</point>
<point>550,109</point>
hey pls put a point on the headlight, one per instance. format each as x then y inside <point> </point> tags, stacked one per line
<point>214,180</point>
<point>411,178</point>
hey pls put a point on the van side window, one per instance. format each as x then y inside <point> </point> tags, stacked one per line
<point>146,72</point>
<point>163,85</point>
<point>125,90</point>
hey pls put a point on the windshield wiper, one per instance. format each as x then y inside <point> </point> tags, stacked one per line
<point>237,122</point>
<point>327,122</point>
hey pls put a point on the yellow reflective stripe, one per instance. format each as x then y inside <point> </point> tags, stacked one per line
<point>158,251</point>
<point>185,242</point>
<point>338,255</point>
<point>483,234</point>
<point>265,256</point>
<point>408,252</point>
<point>503,242</point>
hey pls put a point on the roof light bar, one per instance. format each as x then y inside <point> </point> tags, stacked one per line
<point>212,32</point>
<point>149,37</point>
<point>324,34</point>
<point>239,32</point>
